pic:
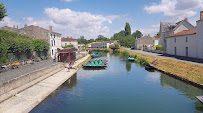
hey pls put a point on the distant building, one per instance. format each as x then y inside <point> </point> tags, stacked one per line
<point>69,41</point>
<point>170,28</point>
<point>187,43</point>
<point>156,40</point>
<point>34,32</point>
<point>145,41</point>
<point>104,44</point>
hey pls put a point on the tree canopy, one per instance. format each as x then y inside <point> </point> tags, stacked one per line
<point>101,38</point>
<point>137,34</point>
<point>127,29</point>
<point>2,11</point>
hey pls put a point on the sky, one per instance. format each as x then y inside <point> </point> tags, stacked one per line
<point>90,18</point>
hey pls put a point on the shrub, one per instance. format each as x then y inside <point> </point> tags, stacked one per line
<point>67,46</point>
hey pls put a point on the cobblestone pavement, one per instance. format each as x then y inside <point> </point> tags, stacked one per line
<point>194,61</point>
<point>13,73</point>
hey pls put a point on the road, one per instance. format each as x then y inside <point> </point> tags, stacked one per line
<point>189,60</point>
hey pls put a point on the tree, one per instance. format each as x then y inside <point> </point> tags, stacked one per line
<point>127,29</point>
<point>2,11</point>
<point>158,34</point>
<point>148,35</point>
<point>137,34</point>
<point>101,38</point>
<point>127,41</point>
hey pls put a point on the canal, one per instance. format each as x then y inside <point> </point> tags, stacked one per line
<point>123,87</point>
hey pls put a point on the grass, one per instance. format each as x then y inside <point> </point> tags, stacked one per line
<point>185,70</point>
<point>102,49</point>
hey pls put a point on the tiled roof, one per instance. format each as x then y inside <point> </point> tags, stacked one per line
<point>184,32</point>
<point>45,29</point>
<point>156,36</point>
<point>67,39</point>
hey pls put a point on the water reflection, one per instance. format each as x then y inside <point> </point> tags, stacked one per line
<point>189,90</point>
<point>128,65</point>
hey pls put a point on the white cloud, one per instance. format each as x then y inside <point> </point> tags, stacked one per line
<point>8,22</point>
<point>176,8</point>
<point>73,23</point>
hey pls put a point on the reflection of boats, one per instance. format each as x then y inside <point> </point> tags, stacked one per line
<point>149,67</point>
<point>131,59</point>
<point>95,55</point>
<point>98,63</point>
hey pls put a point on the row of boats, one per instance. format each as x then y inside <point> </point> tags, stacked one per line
<point>96,63</point>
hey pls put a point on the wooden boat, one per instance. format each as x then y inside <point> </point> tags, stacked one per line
<point>149,67</point>
<point>96,64</point>
<point>131,59</point>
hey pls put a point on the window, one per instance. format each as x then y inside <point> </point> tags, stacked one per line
<point>51,35</point>
<point>70,44</point>
<point>186,39</point>
<point>175,50</point>
<point>186,51</point>
<point>54,36</point>
<point>54,43</point>
<point>65,44</point>
<point>175,40</point>
<point>51,42</point>
<point>52,52</point>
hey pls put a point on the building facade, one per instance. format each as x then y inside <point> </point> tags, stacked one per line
<point>187,43</point>
<point>69,41</point>
<point>104,44</point>
<point>170,28</point>
<point>145,41</point>
<point>156,40</point>
<point>34,32</point>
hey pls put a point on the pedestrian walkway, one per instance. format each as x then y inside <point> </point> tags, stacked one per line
<point>26,100</point>
<point>194,61</point>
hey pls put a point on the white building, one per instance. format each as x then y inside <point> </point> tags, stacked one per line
<point>156,40</point>
<point>170,28</point>
<point>104,44</point>
<point>187,43</point>
<point>69,41</point>
<point>55,43</point>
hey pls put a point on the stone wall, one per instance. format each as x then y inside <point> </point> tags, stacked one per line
<point>24,79</point>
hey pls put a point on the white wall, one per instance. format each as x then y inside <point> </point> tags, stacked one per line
<point>70,42</point>
<point>200,38</point>
<point>181,45</point>
<point>53,46</point>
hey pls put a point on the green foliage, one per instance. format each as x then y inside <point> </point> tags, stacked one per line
<point>127,29</point>
<point>116,44</point>
<point>40,45</point>
<point>158,46</point>
<point>2,11</point>
<point>101,38</point>
<point>125,53</point>
<point>141,61</point>
<point>118,36</point>
<point>11,42</point>
<point>68,46</point>
<point>137,34</point>
<point>158,34</point>
<point>82,40</point>
<point>3,60</point>
<point>127,41</point>
<point>101,50</point>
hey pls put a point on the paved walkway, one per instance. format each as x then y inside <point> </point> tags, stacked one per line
<point>194,61</point>
<point>26,100</point>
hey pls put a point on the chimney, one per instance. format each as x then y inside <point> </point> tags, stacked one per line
<point>201,15</point>
<point>25,25</point>
<point>186,19</point>
<point>50,28</point>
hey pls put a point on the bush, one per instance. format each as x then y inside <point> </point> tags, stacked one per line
<point>116,44</point>
<point>67,46</point>
<point>159,47</point>
<point>3,60</point>
<point>125,53</point>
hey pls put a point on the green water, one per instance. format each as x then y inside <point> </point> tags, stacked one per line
<point>124,87</point>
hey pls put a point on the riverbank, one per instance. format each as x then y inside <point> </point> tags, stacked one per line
<point>27,99</point>
<point>188,72</point>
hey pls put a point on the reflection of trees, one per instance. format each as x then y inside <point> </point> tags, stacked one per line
<point>189,90</point>
<point>128,66</point>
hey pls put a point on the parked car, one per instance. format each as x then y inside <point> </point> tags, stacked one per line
<point>132,48</point>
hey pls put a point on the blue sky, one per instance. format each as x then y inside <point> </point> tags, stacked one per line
<point>91,18</point>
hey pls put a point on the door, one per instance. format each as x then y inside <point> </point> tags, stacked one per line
<point>186,51</point>
<point>175,51</point>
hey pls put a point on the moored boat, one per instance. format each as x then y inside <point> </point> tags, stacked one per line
<point>131,59</point>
